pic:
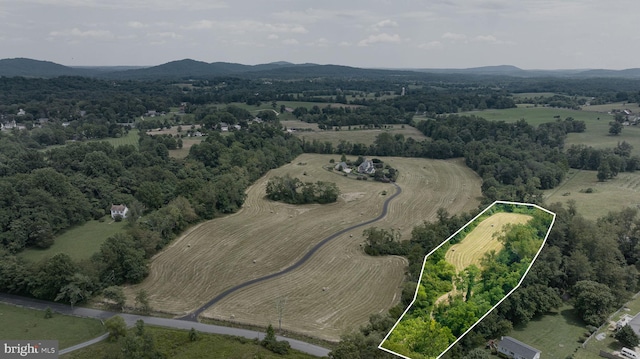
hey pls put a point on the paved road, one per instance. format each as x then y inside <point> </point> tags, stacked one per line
<point>130,319</point>
<point>193,316</point>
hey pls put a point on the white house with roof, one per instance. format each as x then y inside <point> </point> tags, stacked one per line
<point>513,348</point>
<point>119,210</point>
<point>367,167</point>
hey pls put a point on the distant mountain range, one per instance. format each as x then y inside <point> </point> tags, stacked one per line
<point>192,69</point>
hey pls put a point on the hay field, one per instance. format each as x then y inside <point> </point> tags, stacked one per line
<point>611,195</point>
<point>366,136</point>
<point>481,240</point>
<point>219,254</point>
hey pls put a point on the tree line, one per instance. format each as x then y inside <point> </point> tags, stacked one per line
<point>292,190</point>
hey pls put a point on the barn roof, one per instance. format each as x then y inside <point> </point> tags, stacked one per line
<point>518,347</point>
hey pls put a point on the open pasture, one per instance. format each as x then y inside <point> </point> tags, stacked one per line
<point>20,323</point>
<point>605,108</point>
<point>366,136</point>
<point>482,239</point>
<point>557,334</point>
<point>537,115</point>
<point>130,138</point>
<point>611,195</point>
<point>173,130</point>
<point>80,242</point>
<point>187,143</point>
<point>266,237</point>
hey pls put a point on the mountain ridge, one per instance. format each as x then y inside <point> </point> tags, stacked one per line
<point>189,68</point>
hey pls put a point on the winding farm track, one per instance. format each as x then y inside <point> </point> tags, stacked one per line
<point>193,316</point>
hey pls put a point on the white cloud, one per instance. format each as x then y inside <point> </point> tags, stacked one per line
<point>136,24</point>
<point>321,42</point>
<point>88,34</point>
<point>385,24</point>
<point>133,4</point>
<point>430,45</point>
<point>491,40</point>
<point>245,26</point>
<point>380,38</point>
<point>454,36</point>
<point>165,35</point>
<point>273,37</point>
<point>311,15</point>
<point>290,42</point>
<point>344,43</point>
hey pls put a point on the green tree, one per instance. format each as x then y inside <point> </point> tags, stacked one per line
<point>193,335</point>
<point>77,290</point>
<point>593,300</point>
<point>627,336</point>
<point>419,338</point>
<point>139,327</point>
<point>615,129</point>
<point>477,353</point>
<point>142,302</point>
<point>604,171</point>
<point>121,261</point>
<point>116,327</point>
<point>116,296</point>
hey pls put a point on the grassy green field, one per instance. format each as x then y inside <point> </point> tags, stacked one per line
<point>129,139</point>
<point>596,135</point>
<point>612,195</point>
<point>79,242</point>
<point>358,136</point>
<point>556,335</point>
<point>176,344</point>
<point>21,323</point>
<point>612,106</point>
<point>537,115</point>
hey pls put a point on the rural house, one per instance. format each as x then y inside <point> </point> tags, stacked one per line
<point>119,210</point>
<point>342,167</point>
<point>367,167</point>
<point>513,348</point>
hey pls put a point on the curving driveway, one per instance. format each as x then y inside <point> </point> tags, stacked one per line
<point>193,316</point>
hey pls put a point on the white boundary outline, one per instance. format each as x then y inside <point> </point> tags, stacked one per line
<point>415,295</point>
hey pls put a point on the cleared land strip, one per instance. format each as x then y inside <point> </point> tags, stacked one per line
<point>193,316</point>
<point>482,240</point>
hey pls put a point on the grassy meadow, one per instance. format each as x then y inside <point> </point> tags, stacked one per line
<point>366,136</point>
<point>611,195</point>
<point>175,344</point>
<point>129,139</point>
<point>556,334</point>
<point>22,323</point>
<point>79,242</point>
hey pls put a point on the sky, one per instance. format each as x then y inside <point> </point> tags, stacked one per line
<point>530,34</point>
